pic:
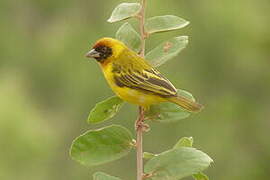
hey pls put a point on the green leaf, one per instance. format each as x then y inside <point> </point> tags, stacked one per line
<point>166,50</point>
<point>188,142</point>
<point>177,163</point>
<point>129,37</point>
<point>164,23</point>
<point>148,155</point>
<point>184,142</point>
<point>186,94</point>
<point>200,176</point>
<point>105,110</point>
<point>103,176</point>
<point>100,146</point>
<point>124,11</point>
<point>168,112</point>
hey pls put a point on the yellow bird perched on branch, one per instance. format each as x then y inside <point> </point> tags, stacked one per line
<point>133,79</point>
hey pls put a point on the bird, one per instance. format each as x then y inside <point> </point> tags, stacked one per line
<point>133,79</point>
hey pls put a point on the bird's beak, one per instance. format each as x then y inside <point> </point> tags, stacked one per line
<point>92,54</point>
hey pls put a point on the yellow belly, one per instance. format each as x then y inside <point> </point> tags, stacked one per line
<point>132,95</point>
<point>136,96</point>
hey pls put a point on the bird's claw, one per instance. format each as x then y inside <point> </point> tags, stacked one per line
<point>141,125</point>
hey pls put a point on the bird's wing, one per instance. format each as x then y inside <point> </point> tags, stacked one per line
<point>144,79</point>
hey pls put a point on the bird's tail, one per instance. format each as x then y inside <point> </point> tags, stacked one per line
<point>186,103</point>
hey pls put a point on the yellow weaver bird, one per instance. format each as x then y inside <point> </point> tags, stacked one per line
<point>133,79</point>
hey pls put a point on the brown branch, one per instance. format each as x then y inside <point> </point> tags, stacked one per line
<point>139,131</point>
<point>139,125</point>
<point>142,29</point>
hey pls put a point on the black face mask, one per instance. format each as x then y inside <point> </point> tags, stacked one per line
<point>104,52</point>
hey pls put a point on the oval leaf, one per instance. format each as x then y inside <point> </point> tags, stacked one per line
<point>200,176</point>
<point>166,50</point>
<point>104,176</point>
<point>100,146</point>
<point>168,112</point>
<point>177,163</point>
<point>164,23</point>
<point>129,37</point>
<point>184,142</point>
<point>124,11</point>
<point>105,110</point>
<point>188,142</point>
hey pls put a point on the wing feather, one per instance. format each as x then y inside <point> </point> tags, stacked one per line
<point>149,80</point>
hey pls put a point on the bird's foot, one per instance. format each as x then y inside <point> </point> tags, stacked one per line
<point>142,125</point>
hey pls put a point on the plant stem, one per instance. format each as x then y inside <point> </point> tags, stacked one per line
<point>139,123</point>
<point>139,129</point>
<point>142,29</point>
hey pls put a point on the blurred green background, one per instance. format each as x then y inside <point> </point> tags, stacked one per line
<point>47,86</point>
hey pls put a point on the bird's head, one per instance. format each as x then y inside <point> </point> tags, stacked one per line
<point>106,49</point>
